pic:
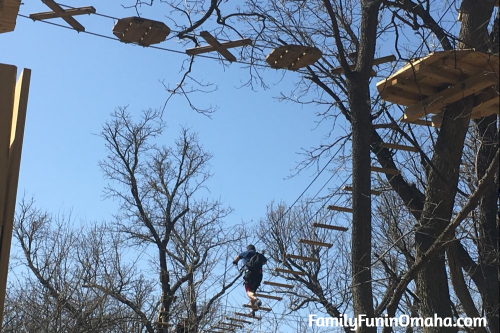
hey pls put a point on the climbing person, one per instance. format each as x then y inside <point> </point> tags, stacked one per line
<point>252,265</point>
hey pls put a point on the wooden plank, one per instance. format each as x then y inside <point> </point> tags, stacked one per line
<point>484,100</point>
<point>293,57</point>
<point>69,19</point>
<point>293,256</point>
<point>13,108</point>
<point>435,103</point>
<point>350,189</point>
<point>340,70</point>
<point>387,171</point>
<point>255,307</point>
<point>438,74</point>
<point>247,315</point>
<point>315,243</point>
<point>398,147</point>
<point>495,109</point>
<point>329,226</point>
<point>383,60</point>
<point>276,284</point>
<point>239,320</point>
<point>276,298</point>
<point>217,46</point>
<point>461,66</point>
<point>65,13</point>
<point>287,271</point>
<point>413,87</point>
<point>231,324</point>
<point>209,48</point>
<point>399,96</point>
<point>340,209</point>
<point>435,121</point>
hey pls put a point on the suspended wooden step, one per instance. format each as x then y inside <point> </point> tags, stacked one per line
<point>258,308</point>
<point>429,84</point>
<point>276,298</point>
<point>239,320</point>
<point>160,323</point>
<point>8,15</point>
<point>293,57</point>
<point>293,256</point>
<point>218,47</point>
<point>247,315</point>
<point>139,30</point>
<point>224,329</point>
<point>287,271</point>
<point>387,171</point>
<point>435,121</point>
<point>340,209</point>
<point>349,189</point>
<point>65,14</point>
<point>231,324</point>
<point>276,284</point>
<point>315,243</point>
<point>329,226</point>
<point>212,331</point>
<point>398,147</point>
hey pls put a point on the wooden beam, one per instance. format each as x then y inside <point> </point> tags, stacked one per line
<point>239,320</point>
<point>13,108</point>
<point>231,324</point>
<point>216,46</point>
<point>247,315</point>
<point>65,13</point>
<point>435,121</point>
<point>276,298</point>
<point>293,256</point>
<point>340,209</point>
<point>340,70</point>
<point>328,226</point>
<point>276,284</point>
<point>398,147</point>
<point>287,271</point>
<point>69,19</point>
<point>350,189</point>
<point>383,60</point>
<point>413,87</point>
<point>387,171</point>
<point>315,243</point>
<point>435,103</point>
<point>255,307</point>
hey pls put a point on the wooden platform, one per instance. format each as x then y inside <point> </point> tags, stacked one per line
<point>427,85</point>
<point>8,14</point>
<point>293,57</point>
<point>140,30</point>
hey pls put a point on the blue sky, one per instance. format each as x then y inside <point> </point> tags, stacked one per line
<point>78,79</point>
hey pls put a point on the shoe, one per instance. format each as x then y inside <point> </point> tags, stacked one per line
<point>258,303</point>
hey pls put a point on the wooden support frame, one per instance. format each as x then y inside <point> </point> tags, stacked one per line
<point>246,315</point>
<point>329,226</point>
<point>348,188</point>
<point>315,243</point>
<point>66,15</point>
<point>435,103</point>
<point>216,46</point>
<point>340,209</point>
<point>276,284</point>
<point>293,256</point>
<point>239,320</point>
<point>387,171</point>
<point>13,108</point>
<point>287,271</point>
<point>276,298</point>
<point>399,147</point>
<point>258,308</point>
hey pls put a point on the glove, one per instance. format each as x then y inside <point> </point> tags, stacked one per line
<point>235,262</point>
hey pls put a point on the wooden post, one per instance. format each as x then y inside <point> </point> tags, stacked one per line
<point>13,105</point>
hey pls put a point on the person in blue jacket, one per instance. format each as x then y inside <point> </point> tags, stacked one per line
<point>253,273</point>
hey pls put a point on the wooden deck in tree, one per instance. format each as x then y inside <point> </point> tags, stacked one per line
<point>427,85</point>
<point>8,14</point>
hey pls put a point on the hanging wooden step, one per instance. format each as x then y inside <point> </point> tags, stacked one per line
<point>139,30</point>
<point>329,226</point>
<point>398,147</point>
<point>231,324</point>
<point>315,243</point>
<point>276,298</point>
<point>224,329</point>
<point>293,256</point>
<point>340,209</point>
<point>8,15</point>
<point>239,320</point>
<point>376,61</point>
<point>276,284</point>
<point>387,171</point>
<point>221,48</point>
<point>287,271</point>
<point>247,315</point>
<point>293,57</point>
<point>349,189</point>
<point>258,308</point>
<point>435,121</point>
